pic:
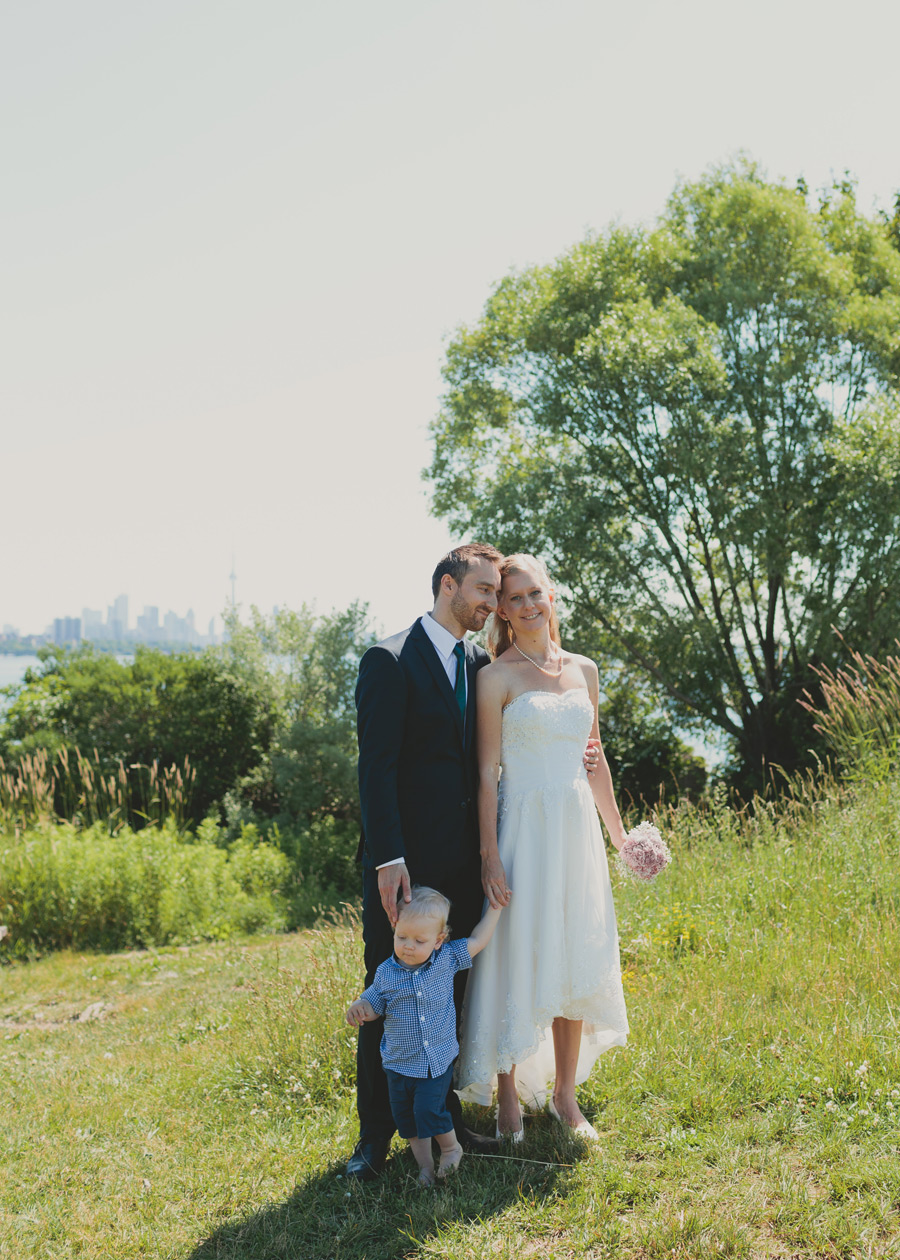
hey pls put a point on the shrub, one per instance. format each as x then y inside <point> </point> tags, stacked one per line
<point>124,718</point>
<point>322,860</point>
<point>61,888</point>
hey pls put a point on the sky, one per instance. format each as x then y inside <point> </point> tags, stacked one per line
<point>236,237</point>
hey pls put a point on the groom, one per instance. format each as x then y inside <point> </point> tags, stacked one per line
<point>418,785</point>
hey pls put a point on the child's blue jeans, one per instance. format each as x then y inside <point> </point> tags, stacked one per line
<point>419,1104</point>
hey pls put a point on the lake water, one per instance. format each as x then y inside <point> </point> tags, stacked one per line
<point>12,668</point>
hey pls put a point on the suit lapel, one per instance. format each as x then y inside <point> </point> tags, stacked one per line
<point>438,673</point>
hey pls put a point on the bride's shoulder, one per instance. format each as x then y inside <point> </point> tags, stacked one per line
<point>586,665</point>
<point>577,659</point>
<point>493,679</point>
<point>489,675</point>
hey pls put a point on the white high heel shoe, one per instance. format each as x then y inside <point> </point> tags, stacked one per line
<point>583,1130</point>
<point>517,1135</point>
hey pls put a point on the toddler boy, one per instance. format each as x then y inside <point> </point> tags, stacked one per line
<point>414,992</point>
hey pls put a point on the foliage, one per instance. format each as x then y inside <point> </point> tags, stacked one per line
<point>322,857</point>
<point>892,222</point>
<point>697,426</point>
<point>326,873</point>
<point>260,730</point>
<point>647,757</point>
<point>61,888</point>
<point>859,715</point>
<point>160,709</point>
<point>307,665</point>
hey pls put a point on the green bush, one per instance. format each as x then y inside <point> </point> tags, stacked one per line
<point>321,857</point>
<point>326,871</point>
<point>61,888</point>
<point>307,665</point>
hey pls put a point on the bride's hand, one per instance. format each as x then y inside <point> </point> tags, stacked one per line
<point>493,881</point>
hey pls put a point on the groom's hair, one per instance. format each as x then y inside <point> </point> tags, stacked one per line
<point>457,562</point>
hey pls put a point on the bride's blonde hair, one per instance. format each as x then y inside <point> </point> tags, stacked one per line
<point>499,634</point>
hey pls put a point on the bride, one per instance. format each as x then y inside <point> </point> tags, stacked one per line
<point>553,965</point>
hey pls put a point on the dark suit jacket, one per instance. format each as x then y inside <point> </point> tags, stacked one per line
<point>418,770</point>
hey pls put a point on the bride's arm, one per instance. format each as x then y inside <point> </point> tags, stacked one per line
<point>490,694</point>
<point>601,780</point>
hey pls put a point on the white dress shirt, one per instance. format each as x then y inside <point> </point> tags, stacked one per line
<point>444,643</point>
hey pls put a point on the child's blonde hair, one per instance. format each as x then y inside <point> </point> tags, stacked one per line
<point>428,903</point>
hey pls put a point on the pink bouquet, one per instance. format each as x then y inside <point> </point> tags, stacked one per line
<point>644,853</point>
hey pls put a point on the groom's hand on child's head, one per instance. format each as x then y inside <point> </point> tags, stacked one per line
<point>393,883</point>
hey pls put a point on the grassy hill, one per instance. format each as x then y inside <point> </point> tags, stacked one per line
<point>196,1101</point>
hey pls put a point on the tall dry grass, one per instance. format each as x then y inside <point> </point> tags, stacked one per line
<point>72,787</point>
<point>859,714</point>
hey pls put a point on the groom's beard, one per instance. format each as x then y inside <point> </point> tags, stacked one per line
<point>469,618</point>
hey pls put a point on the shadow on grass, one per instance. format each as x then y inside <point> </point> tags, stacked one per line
<point>328,1218</point>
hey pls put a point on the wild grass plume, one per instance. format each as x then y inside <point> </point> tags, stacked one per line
<point>69,786</point>
<point>859,715</point>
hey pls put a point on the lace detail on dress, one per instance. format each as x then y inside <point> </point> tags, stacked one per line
<point>544,715</point>
<point>510,1028</point>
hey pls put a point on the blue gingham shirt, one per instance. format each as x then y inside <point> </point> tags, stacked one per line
<point>419,1015</point>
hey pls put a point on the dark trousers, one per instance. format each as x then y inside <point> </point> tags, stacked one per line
<point>419,1103</point>
<point>376,1122</point>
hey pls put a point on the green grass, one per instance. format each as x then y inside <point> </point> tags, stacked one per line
<point>207,1112</point>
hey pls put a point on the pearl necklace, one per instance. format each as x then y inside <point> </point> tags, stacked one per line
<point>536,665</point>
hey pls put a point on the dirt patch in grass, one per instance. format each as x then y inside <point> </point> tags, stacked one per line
<point>57,1015</point>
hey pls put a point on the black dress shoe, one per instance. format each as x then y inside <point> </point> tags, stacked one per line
<point>367,1160</point>
<point>476,1143</point>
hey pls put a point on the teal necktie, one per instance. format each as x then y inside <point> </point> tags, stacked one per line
<point>460,689</point>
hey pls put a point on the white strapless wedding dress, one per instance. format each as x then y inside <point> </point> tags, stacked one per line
<point>556,949</point>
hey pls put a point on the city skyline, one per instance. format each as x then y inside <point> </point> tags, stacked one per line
<point>116,627</point>
<point>388,606</point>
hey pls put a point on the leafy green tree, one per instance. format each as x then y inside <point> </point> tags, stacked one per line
<point>698,426</point>
<point>307,665</point>
<point>163,708</point>
<point>303,792</point>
